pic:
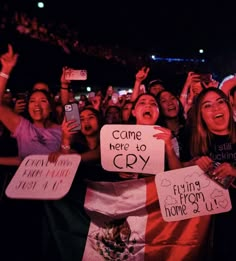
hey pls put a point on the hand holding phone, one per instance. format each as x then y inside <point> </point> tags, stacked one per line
<point>72,113</point>
<point>22,96</point>
<point>20,105</point>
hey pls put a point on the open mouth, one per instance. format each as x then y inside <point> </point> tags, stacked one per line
<point>147,114</point>
<point>219,116</point>
<point>172,108</point>
<point>37,110</point>
<point>87,127</point>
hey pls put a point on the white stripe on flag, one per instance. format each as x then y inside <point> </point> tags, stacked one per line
<point>118,220</point>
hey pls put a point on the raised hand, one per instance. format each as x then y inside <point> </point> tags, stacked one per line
<point>96,102</point>
<point>142,74</point>
<point>212,83</point>
<point>8,60</point>
<point>192,78</point>
<point>64,83</point>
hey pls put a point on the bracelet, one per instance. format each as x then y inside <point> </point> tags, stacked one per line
<point>4,75</point>
<point>65,147</point>
<point>63,88</point>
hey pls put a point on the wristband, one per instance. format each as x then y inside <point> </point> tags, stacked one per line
<point>4,75</point>
<point>65,147</point>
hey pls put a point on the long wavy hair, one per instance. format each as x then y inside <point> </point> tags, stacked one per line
<point>201,136</point>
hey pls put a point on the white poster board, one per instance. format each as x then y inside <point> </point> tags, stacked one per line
<point>131,148</point>
<point>187,192</point>
<point>37,178</point>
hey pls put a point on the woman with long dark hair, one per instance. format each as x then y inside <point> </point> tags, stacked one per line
<point>213,142</point>
<point>172,117</point>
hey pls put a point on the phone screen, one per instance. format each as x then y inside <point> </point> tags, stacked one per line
<point>206,77</point>
<point>22,96</point>
<point>76,75</point>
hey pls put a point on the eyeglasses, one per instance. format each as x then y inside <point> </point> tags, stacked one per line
<point>208,106</point>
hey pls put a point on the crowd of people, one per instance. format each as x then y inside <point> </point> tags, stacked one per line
<point>196,126</point>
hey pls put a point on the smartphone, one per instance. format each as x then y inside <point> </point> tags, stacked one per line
<point>72,74</point>
<point>206,77</point>
<point>22,96</point>
<point>72,113</point>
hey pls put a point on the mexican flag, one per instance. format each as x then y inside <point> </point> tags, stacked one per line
<point>126,224</point>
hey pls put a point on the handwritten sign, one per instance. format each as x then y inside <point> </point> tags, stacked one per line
<point>37,178</point>
<point>131,148</point>
<point>188,192</point>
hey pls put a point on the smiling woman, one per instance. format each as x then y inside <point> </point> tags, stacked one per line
<point>213,143</point>
<point>212,114</point>
<point>36,135</point>
<point>39,135</point>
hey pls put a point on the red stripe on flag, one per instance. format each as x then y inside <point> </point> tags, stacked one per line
<point>153,216</point>
<point>172,241</point>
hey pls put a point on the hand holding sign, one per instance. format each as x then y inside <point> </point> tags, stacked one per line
<point>164,134</point>
<point>188,192</point>
<point>37,178</point>
<point>131,148</point>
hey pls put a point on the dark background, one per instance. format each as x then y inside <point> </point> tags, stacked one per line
<point>171,27</point>
<point>163,28</point>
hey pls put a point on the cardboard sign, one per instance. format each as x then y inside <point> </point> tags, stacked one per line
<point>37,178</point>
<point>188,192</point>
<point>131,148</point>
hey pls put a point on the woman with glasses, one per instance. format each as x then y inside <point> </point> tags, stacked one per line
<point>213,143</point>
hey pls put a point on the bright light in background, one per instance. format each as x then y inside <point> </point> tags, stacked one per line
<point>40,5</point>
<point>201,51</point>
<point>88,89</point>
<point>175,59</point>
